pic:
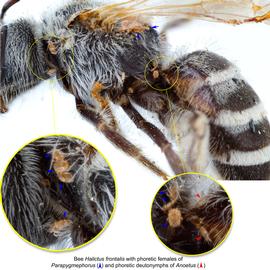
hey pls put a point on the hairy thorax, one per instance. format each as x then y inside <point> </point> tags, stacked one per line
<point>89,47</point>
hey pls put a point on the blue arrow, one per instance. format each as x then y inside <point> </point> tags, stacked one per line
<point>60,186</point>
<point>47,155</point>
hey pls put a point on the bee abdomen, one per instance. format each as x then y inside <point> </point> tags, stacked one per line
<point>242,151</point>
<point>250,137</point>
<point>237,172</point>
<point>240,131</point>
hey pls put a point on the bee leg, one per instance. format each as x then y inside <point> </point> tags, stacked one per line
<point>204,233</point>
<point>213,216</point>
<point>3,106</point>
<point>117,139</point>
<point>174,195</point>
<point>198,152</point>
<point>104,103</point>
<point>113,123</point>
<point>156,135</point>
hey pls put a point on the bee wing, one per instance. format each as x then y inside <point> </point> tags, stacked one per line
<point>190,133</point>
<point>225,11</point>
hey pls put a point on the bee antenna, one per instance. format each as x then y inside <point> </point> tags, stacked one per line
<point>6,6</point>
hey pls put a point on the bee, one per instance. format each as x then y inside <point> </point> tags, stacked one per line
<point>191,214</point>
<point>58,192</point>
<point>110,54</point>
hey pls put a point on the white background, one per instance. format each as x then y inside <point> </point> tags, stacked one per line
<point>130,232</point>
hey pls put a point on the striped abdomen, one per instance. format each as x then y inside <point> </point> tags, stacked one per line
<point>240,131</point>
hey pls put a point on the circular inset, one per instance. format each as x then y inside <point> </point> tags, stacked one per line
<point>192,214</point>
<point>151,69</point>
<point>58,192</point>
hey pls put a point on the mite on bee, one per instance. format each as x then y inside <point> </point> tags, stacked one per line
<point>61,167</point>
<point>93,50</point>
<point>58,192</point>
<point>191,214</point>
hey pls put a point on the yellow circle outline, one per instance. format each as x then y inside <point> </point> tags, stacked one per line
<point>28,57</point>
<point>66,249</point>
<point>221,242</point>
<point>149,84</point>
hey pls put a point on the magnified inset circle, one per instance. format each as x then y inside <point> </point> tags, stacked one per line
<point>151,74</point>
<point>192,214</point>
<point>58,193</point>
